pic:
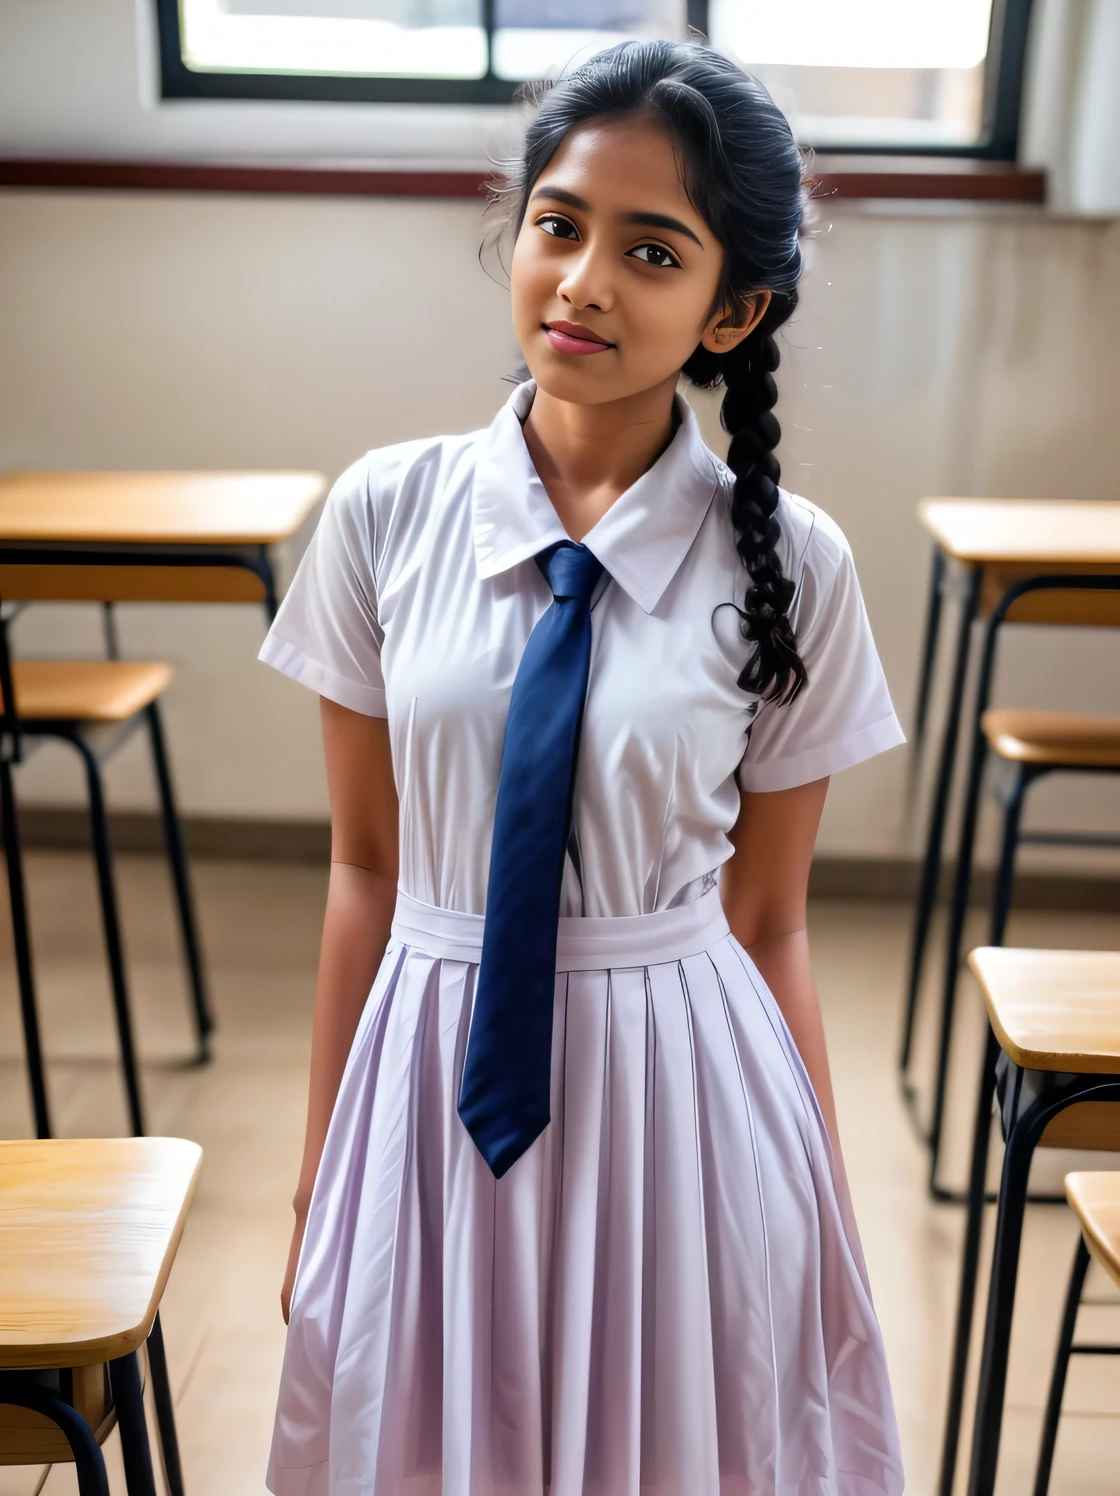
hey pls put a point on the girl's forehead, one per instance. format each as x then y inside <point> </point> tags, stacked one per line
<point>615,147</point>
<point>616,164</point>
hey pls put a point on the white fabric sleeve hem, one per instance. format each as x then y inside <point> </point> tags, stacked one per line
<point>290,660</point>
<point>819,763</point>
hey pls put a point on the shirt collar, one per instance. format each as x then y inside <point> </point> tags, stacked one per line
<point>643,537</point>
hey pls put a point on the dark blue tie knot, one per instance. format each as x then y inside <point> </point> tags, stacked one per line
<point>571,569</point>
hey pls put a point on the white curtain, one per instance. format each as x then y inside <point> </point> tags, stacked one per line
<point>1071,107</point>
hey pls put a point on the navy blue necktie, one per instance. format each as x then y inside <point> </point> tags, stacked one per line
<point>504,1098</point>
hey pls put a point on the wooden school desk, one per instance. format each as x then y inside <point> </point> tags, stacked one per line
<point>1052,561</point>
<point>148,537</point>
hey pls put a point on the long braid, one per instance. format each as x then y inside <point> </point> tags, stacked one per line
<point>775,669</point>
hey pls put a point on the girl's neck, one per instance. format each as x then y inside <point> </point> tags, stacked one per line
<point>588,455</point>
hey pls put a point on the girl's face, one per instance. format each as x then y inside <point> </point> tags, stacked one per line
<point>614,273</point>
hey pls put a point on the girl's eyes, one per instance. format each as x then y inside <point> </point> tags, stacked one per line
<point>651,250</point>
<point>560,228</point>
<point>649,254</point>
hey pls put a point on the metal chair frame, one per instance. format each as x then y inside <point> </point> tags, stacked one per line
<point>1021,777</point>
<point>25,1389</point>
<point>1066,1347</point>
<point>1029,1100</point>
<point>94,746</point>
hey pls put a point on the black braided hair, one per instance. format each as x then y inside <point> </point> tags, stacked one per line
<point>747,415</point>
<point>744,173</point>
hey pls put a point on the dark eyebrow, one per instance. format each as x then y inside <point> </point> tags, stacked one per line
<point>562,195</point>
<point>663,221</point>
<point>648,220</point>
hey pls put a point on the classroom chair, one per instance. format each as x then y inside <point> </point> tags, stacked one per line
<point>1095,1200</point>
<point>79,1305</point>
<point>95,706</point>
<point>1053,1058</point>
<point>1025,746</point>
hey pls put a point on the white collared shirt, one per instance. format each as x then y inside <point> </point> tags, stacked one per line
<point>416,597</point>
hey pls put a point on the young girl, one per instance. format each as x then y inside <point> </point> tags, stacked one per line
<point>579,1222</point>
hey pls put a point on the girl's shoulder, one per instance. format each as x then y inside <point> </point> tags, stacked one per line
<point>810,539</point>
<point>812,543</point>
<point>425,464</point>
<point>386,500</point>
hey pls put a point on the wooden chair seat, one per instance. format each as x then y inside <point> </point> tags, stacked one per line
<point>86,690</point>
<point>1095,1200</point>
<point>1054,738</point>
<point>88,1232</point>
<point>1058,1011</point>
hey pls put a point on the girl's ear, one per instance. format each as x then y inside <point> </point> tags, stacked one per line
<point>721,335</point>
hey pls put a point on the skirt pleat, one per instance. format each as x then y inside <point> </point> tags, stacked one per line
<point>664,1297</point>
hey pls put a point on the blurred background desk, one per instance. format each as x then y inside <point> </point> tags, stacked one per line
<point>1005,561</point>
<point>108,538</point>
<point>148,537</point>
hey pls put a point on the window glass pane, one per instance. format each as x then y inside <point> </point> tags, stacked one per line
<point>364,38</point>
<point>536,38</point>
<point>865,72</point>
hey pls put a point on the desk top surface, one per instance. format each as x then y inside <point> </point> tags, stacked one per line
<point>1061,532</point>
<point>1053,1010</point>
<point>88,1231</point>
<point>156,508</point>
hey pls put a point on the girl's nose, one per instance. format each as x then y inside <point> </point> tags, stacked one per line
<point>587,282</point>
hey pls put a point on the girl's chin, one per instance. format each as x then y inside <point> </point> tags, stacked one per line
<point>556,378</point>
<point>571,380</point>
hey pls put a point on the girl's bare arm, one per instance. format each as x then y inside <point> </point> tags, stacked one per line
<point>360,901</point>
<point>764,889</point>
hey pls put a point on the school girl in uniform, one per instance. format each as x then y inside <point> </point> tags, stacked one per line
<point>579,1222</point>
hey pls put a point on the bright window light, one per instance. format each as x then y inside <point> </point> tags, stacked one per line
<point>356,40</point>
<point>856,33</point>
<point>869,74</point>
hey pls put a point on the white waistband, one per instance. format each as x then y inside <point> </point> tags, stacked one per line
<point>582,944</point>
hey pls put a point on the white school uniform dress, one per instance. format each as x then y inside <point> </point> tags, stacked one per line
<point>666,1294</point>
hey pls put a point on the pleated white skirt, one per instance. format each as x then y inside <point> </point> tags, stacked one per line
<point>665,1296</point>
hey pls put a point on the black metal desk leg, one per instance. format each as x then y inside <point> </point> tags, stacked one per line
<point>962,887</point>
<point>929,652</point>
<point>267,574</point>
<point>1061,1366</point>
<point>935,834</point>
<point>21,942</point>
<point>165,1411</point>
<point>1005,876</point>
<point>970,1260</point>
<point>180,873</point>
<point>99,827</point>
<point>124,1377</point>
<point>954,939</point>
<point>988,1424</point>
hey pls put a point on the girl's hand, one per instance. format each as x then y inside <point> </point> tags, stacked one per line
<point>293,1259</point>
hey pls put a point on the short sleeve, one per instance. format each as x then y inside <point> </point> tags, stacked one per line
<point>843,714</point>
<point>326,633</point>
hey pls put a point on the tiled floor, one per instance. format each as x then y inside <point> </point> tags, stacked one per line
<point>221,1313</point>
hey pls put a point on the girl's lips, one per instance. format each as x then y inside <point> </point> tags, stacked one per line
<point>565,342</point>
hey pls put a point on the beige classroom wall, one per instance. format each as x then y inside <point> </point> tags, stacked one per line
<point>939,351</point>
